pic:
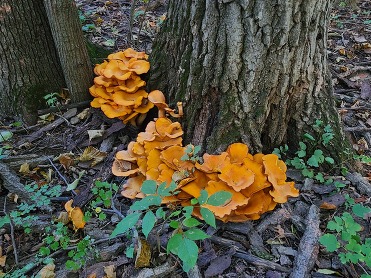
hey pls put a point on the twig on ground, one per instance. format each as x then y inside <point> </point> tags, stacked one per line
<point>308,247</point>
<point>12,234</point>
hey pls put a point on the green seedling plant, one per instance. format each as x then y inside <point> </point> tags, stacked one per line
<point>104,193</point>
<point>57,235</point>
<point>309,157</point>
<point>51,99</point>
<point>147,212</point>
<point>345,236</point>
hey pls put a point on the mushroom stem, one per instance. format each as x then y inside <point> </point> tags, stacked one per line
<point>161,113</point>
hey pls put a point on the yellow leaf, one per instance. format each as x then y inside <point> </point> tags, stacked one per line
<point>47,271</point>
<point>110,271</point>
<point>91,153</point>
<point>143,254</point>
<point>24,169</point>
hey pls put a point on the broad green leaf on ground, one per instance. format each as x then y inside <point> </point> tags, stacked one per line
<point>196,234</point>
<point>173,244</point>
<point>146,202</point>
<point>330,242</point>
<point>148,222</point>
<point>125,224</point>
<point>360,210</point>
<point>208,217</point>
<point>188,253</point>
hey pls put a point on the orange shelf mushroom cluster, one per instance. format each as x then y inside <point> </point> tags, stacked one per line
<point>257,182</point>
<point>117,89</point>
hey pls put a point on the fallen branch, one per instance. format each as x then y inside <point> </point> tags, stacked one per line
<point>362,185</point>
<point>308,247</point>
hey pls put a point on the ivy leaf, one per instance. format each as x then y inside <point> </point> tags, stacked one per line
<point>191,222</point>
<point>196,234</point>
<point>208,217</point>
<point>360,210</point>
<point>173,244</point>
<point>330,242</point>
<point>148,223</point>
<point>125,224</point>
<point>149,187</point>
<point>219,198</point>
<point>188,253</point>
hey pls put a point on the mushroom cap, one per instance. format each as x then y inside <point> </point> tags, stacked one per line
<point>213,163</point>
<point>100,91</point>
<point>132,188</point>
<point>138,66</point>
<point>99,68</point>
<point>127,99</point>
<point>158,99</point>
<point>131,84</point>
<point>236,176</point>
<point>113,70</point>
<point>131,53</point>
<point>113,110</point>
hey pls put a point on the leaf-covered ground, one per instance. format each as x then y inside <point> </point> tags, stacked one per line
<point>75,146</point>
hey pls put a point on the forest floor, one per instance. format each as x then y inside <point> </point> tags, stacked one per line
<point>75,146</point>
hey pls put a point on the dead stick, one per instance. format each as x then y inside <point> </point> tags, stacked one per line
<point>309,246</point>
<point>12,234</point>
<point>260,262</point>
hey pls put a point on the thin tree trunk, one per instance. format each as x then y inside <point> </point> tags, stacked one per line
<point>250,71</point>
<point>29,65</point>
<point>70,43</point>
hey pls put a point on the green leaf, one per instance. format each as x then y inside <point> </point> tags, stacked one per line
<point>208,216</point>
<point>203,197</point>
<point>160,213</point>
<point>309,137</point>
<point>196,234</point>
<point>149,187</point>
<point>191,222</point>
<point>301,153</point>
<point>360,210</point>
<point>74,184</point>
<point>102,216</point>
<point>188,211</point>
<point>5,135</point>
<point>329,160</point>
<point>320,177</point>
<point>4,220</point>
<point>330,242</point>
<point>313,161</point>
<point>44,251</point>
<point>129,252</point>
<point>148,223</point>
<point>194,201</point>
<point>219,198</point>
<point>188,253</point>
<point>125,224</point>
<point>146,202</point>
<point>173,244</point>
<point>307,173</point>
<point>174,224</point>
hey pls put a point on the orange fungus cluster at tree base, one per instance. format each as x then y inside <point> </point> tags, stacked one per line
<point>117,88</point>
<point>257,182</point>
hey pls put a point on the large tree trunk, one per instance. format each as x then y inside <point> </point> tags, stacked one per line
<point>41,51</point>
<point>250,71</point>
<point>29,65</point>
<point>69,39</point>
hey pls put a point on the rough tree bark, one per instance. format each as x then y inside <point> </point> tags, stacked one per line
<point>69,38</point>
<point>251,71</point>
<point>30,66</point>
